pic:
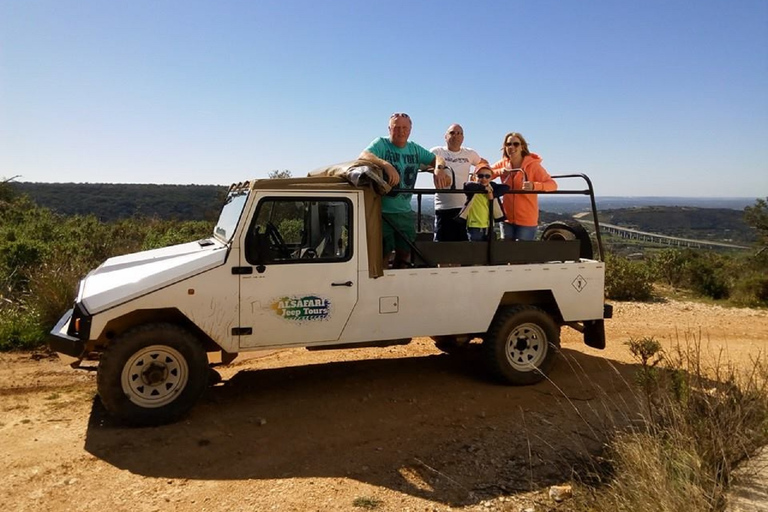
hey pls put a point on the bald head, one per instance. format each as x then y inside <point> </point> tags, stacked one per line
<point>454,137</point>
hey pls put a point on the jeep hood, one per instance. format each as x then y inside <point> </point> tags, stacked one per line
<point>123,278</point>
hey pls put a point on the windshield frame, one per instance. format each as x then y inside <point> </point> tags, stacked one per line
<point>230,214</point>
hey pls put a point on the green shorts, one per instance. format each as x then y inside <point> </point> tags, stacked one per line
<point>405,223</point>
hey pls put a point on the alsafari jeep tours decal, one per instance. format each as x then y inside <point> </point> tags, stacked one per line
<point>302,309</point>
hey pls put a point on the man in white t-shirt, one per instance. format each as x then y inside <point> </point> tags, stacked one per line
<point>448,226</point>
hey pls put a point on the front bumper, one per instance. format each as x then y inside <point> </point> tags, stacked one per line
<point>61,342</point>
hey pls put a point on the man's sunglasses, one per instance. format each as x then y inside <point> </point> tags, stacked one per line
<point>399,114</point>
<point>512,144</point>
<point>483,176</point>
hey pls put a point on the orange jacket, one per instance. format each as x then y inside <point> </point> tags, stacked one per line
<point>523,209</point>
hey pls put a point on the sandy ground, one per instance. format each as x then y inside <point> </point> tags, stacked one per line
<point>390,429</point>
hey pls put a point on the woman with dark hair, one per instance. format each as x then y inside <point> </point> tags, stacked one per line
<point>521,170</point>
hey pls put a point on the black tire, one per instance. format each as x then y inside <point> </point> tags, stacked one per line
<point>521,345</point>
<point>570,230</point>
<point>451,344</point>
<point>152,374</point>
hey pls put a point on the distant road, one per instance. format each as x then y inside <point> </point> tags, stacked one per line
<point>661,239</point>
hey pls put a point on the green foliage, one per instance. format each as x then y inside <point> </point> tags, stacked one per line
<point>7,192</point>
<point>757,217</point>
<point>648,352</point>
<point>43,255</point>
<point>367,502</point>
<point>701,422</point>
<point>627,280</point>
<point>708,276</point>
<point>292,230</point>
<point>19,328</point>
<point>112,201</point>
<point>670,266</point>
<point>716,224</point>
<point>276,174</point>
<point>164,234</point>
<point>741,277</point>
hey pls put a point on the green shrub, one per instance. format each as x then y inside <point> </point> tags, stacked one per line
<point>165,233</point>
<point>43,256</point>
<point>701,421</point>
<point>751,290</point>
<point>19,328</point>
<point>670,266</point>
<point>708,276</point>
<point>627,280</point>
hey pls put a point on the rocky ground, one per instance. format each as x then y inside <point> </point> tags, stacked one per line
<point>388,429</point>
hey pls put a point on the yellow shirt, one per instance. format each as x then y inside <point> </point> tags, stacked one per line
<point>477,213</point>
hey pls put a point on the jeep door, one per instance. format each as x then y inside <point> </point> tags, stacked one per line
<point>303,284</point>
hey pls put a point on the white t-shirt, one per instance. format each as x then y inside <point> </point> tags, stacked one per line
<point>460,161</point>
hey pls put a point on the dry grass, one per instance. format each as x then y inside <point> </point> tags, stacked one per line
<point>699,419</point>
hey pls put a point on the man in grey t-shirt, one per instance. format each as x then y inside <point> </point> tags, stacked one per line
<point>448,227</point>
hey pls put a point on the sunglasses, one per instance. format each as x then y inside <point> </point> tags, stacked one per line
<point>399,114</point>
<point>483,176</point>
<point>516,144</point>
<point>455,133</point>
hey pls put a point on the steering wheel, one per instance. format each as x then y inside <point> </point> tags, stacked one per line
<point>276,239</point>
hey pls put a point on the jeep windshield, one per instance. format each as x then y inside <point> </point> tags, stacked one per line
<point>230,214</point>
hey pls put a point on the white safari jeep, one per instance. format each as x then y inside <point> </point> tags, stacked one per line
<point>297,263</point>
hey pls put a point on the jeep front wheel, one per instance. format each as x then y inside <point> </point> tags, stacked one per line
<point>152,374</point>
<point>521,345</point>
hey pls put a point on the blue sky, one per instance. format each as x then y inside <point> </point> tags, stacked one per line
<point>661,98</point>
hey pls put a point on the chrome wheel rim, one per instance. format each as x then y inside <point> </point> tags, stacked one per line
<point>526,347</point>
<point>154,376</point>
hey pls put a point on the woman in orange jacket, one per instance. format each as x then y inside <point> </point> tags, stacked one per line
<point>521,170</point>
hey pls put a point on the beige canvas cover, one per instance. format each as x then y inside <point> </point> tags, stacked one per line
<point>337,181</point>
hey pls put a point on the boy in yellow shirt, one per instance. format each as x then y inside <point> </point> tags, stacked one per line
<point>476,210</point>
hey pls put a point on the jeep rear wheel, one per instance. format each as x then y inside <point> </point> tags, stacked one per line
<point>521,345</point>
<point>152,374</point>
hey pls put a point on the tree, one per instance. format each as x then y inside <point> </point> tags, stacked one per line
<point>285,173</point>
<point>6,189</point>
<point>757,217</point>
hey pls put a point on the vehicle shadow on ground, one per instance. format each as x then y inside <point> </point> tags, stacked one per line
<point>433,426</point>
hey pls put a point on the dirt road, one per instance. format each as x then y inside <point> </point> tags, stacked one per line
<point>390,429</point>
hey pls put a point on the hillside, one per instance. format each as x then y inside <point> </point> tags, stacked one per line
<point>717,224</point>
<point>720,222</point>
<point>109,201</point>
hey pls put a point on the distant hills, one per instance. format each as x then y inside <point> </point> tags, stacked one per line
<point>110,201</point>
<point>574,204</point>
<point>710,218</point>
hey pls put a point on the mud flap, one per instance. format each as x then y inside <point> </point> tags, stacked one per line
<point>594,333</point>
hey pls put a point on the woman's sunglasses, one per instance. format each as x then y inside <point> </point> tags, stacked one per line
<point>516,144</point>
<point>483,176</point>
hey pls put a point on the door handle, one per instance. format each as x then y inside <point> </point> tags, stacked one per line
<point>346,283</point>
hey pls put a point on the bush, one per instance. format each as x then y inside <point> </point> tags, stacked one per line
<point>165,233</point>
<point>627,280</point>
<point>751,291</point>
<point>19,328</point>
<point>701,422</point>
<point>43,256</point>
<point>708,276</point>
<point>670,266</point>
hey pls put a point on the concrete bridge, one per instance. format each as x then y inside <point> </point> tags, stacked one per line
<point>634,234</point>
